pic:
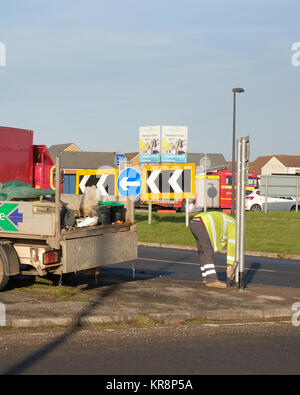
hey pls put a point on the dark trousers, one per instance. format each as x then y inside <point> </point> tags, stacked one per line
<point>205,251</point>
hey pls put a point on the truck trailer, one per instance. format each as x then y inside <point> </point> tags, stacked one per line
<point>32,241</point>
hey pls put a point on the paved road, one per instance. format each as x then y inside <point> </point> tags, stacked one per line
<point>182,264</point>
<point>249,349</point>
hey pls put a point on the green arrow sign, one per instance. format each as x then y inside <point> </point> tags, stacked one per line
<point>6,224</point>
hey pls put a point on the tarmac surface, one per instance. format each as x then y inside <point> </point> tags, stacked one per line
<point>256,348</point>
<point>119,297</point>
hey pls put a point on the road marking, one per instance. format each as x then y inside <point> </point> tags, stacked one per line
<point>197,264</point>
<point>160,260</point>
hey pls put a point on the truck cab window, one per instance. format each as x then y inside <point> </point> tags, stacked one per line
<point>228,180</point>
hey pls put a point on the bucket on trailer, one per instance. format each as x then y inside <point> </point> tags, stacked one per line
<point>117,211</point>
<point>103,212</point>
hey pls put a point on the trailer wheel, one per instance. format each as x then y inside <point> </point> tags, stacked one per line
<point>3,277</point>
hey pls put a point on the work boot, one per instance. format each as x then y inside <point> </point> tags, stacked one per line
<point>216,284</point>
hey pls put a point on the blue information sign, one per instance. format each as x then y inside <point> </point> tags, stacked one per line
<point>120,158</point>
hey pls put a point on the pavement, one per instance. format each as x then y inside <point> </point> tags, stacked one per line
<point>118,297</point>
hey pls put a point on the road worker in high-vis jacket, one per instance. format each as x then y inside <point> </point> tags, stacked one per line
<point>213,231</point>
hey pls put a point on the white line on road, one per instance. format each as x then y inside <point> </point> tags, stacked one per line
<point>197,264</point>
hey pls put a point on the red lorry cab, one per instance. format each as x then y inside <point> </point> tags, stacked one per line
<point>225,186</point>
<point>23,161</point>
<point>42,167</point>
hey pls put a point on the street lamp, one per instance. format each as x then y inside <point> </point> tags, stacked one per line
<point>235,91</point>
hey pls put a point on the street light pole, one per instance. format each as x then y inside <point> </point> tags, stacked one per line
<point>234,90</point>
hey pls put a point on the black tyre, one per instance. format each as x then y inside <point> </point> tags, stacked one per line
<point>293,208</point>
<point>255,207</point>
<point>3,277</point>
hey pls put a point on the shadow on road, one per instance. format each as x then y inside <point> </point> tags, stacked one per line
<point>108,275</point>
<point>35,357</point>
<point>251,272</point>
<point>112,277</point>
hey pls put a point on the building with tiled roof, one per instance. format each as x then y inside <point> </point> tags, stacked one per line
<point>274,164</point>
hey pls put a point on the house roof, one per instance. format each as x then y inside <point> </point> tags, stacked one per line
<point>286,160</point>
<point>55,150</point>
<point>252,168</point>
<point>86,160</point>
<point>130,155</point>
<point>217,161</point>
<point>261,161</point>
<point>289,160</point>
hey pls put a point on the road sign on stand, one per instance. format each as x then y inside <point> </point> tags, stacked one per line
<point>104,179</point>
<point>169,181</point>
<point>129,182</point>
<point>119,158</point>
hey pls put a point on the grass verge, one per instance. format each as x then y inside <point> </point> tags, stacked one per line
<point>47,288</point>
<point>274,232</point>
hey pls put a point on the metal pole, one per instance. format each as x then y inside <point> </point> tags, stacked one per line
<point>205,185</point>
<point>242,216</point>
<point>233,157</point>
<point>187,204</point>
<point>238,212</point>
<point>149,211</point>
<point>297,192</point>
<point>266,196</point>
<point>57,202</point>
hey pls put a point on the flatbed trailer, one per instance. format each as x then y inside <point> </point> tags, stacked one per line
<point>32,241</point>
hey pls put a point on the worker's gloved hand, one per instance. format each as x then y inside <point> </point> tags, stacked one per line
<point>229,267</point>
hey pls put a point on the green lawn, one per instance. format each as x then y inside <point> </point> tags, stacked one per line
<point>277,231</point>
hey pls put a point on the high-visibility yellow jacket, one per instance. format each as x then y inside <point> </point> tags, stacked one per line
<point>221,229</point>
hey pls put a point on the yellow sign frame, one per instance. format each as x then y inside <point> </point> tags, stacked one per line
<point>165,195</point>
<point>96,172</point>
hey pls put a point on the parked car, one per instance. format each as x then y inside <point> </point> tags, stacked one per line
<point>255,202</point>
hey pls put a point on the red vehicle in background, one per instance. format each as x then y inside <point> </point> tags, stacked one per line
<point>23,161</point>
<point>222,183</point>
<point>225,186</point>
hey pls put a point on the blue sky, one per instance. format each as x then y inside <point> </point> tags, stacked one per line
<point>92,71</point>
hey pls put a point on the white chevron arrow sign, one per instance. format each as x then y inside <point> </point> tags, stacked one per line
<point>100,183</point>
<point>169,181</point>
<point>83,182</point>
<point>151,180</point>
<point>173,181</point>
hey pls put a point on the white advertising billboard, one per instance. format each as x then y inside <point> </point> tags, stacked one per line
<point>174,144</point>
<point>149,144</point>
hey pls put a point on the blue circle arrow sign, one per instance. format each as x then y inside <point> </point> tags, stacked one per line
<point>129,182</point>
